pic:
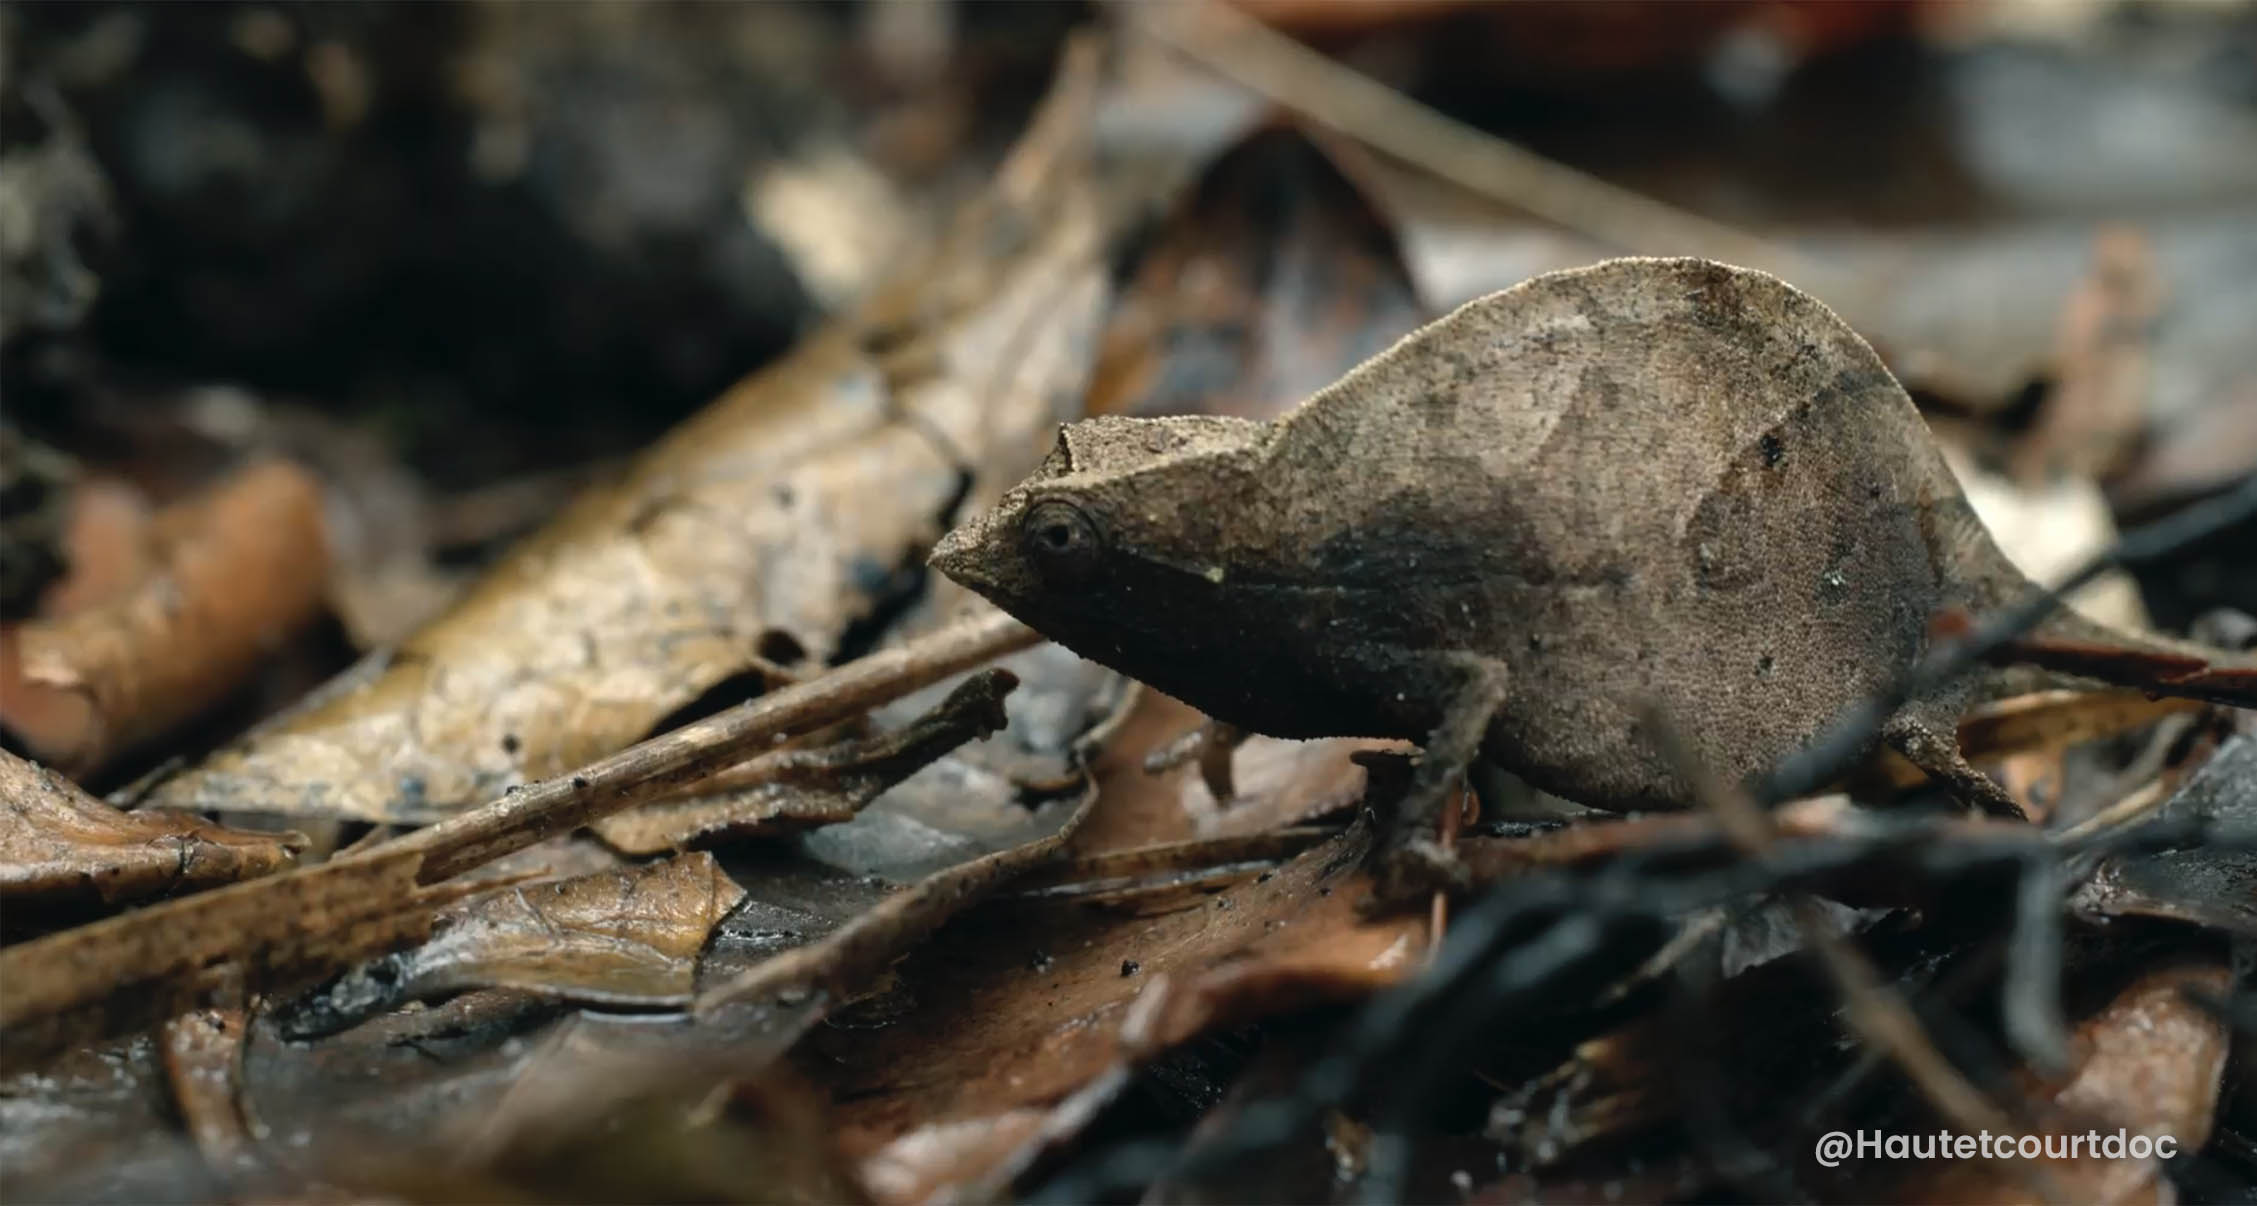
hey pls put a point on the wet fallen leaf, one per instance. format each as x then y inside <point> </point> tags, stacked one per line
<point>57,843</point>
<point>627,937</point>
<point>2203,883</point>
<point>240,569</point>
<point>751,540</point>
<point>96,1125</point>
<point>2150,1063</point>
<point>1272,276</point>
<point>1014,1014</point>
<point>449,1102</point>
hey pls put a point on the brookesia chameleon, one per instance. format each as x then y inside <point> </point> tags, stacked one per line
<point>1647,487</point>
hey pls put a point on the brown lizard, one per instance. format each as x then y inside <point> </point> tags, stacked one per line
<point>1647,486</point>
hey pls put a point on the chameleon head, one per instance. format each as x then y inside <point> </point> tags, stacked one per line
<point>1108,546</point>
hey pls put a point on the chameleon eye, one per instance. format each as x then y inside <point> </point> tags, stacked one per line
<point>1059,536</point>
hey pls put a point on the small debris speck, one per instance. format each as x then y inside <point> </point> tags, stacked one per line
<point>1041,961</point>
<point>579,782</point>
<point>1129,967</point>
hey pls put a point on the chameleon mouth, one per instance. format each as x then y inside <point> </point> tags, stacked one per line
<point>956,557</point>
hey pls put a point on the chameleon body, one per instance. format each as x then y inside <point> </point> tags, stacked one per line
<point>1646,486</point>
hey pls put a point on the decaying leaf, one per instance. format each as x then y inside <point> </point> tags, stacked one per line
<point>57,843</point>
<point>240,569</point>
<point>751,539</point>
<point>1015,1013</point>
<point>627,937</point>
<point>799,789</point>
<point>2149,1063</point>
<point>2206,883</point>
<point>1014,1026</point>
<point>140,968</point>
<point>1273,276</point>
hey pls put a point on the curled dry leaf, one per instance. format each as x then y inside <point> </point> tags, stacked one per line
<point>490,1072</point>
<point>1271,277</point>
<point>2204,883</point>
<point>625,937</point>
<point>239,569</point>
<point>799,789</point>
<point>109,544</point>
<point>59,844</point>
<point>2150,1062</point>
<point>750,539</point>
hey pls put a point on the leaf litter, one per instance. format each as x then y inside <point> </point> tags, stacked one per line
<point>917,924</point>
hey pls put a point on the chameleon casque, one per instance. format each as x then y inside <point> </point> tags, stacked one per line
<point>1649,484</point>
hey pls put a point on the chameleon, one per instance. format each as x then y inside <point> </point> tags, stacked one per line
<point>1647,487</point>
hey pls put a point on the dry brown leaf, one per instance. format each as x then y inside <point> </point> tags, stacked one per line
<point>629,936</point>
<point>109,544</point>
<point>1014,1030</point>
<point>2150,1062</point>
<point>1016,1013</point>
<point>58,843</point>
<point>139,968</point>
<point>2103,345</point>
<point>242,567</point>
<point>1279,783</point>
<point>799,789</point>
<point>751,538</point>
<point>1272,276</point>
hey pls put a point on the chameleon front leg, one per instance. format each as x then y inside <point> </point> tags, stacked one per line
<point>1414,861</point>
<point>1211,746</point>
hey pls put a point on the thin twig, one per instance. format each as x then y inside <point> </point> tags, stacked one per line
<point>1879,1015</point>
<point>1321,89</point>
<point>652,768</point>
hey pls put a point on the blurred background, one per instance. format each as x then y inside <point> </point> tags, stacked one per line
<point>462,260</point>
<point>498,240</point>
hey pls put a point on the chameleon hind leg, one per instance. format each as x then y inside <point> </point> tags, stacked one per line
<point>1414,861</point>
<point>1929,740</point>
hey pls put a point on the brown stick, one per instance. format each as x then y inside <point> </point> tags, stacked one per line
<point>1244,50</point>
<point>652,768</point>
<point>1878,1015</point>
<point>243,567</point>
<point>136,968</point>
